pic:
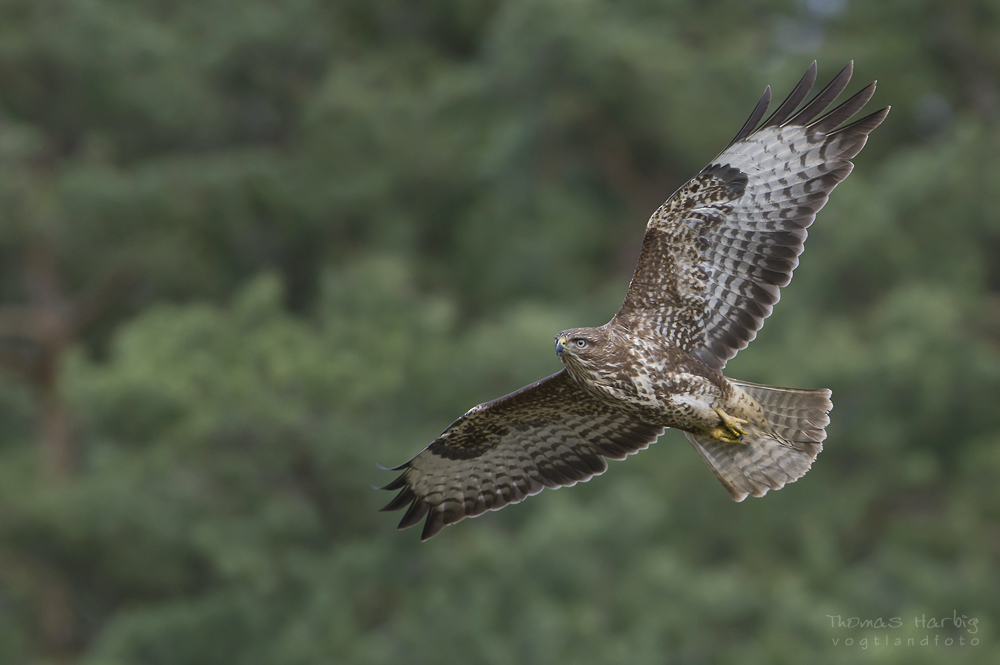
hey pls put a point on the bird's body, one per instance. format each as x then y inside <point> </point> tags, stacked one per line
<point>713,259</point>
<point>647,377</point>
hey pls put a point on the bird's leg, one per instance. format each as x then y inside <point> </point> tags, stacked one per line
<point>731,430</point>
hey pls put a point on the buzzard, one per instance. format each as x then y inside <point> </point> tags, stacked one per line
<point>713,259</point>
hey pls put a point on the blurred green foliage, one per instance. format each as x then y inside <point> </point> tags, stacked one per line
<point>346,223</point>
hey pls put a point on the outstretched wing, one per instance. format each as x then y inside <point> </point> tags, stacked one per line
<point>548,434</point>
<point>716,253</point>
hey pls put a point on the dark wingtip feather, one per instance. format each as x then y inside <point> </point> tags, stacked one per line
<point>821,101</point>
<point>866,124</point>
<point>395,484</point>
<point>416,512</point>
<point>794,98</point>
<point>845,111</point>
<point>758,112</point>
<point>418,508</point>
<point>399,501</point>
<point>434,523</point>
<point>855,135</point>
<point>404,465</point>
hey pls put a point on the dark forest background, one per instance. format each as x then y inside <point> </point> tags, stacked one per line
<point>249,250</point>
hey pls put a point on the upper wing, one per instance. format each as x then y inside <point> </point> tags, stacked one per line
<point>715,254</point>
<point>548,434</point>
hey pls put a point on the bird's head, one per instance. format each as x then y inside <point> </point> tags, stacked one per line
<point>581,347</point>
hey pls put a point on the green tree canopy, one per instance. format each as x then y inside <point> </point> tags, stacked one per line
<point>286,241</point>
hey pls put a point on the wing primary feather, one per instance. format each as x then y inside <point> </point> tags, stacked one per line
<point>416,512</point>
<point>864,125</point>
<point>793,100</point>
<point>855,135</point>
<point>434,523</point>
<point>834,118</point>
<point>821,101</point>
<point>396,484</point>
<point>399,501</point>
<point>751,124</point>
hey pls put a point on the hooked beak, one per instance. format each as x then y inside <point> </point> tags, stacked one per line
<point>561,344</point>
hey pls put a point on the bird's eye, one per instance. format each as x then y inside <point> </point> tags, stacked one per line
<point>580,343</point>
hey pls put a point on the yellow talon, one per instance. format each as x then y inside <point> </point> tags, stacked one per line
<point>732,430</point>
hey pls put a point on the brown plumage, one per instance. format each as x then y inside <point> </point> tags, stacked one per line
<point>713,259</point>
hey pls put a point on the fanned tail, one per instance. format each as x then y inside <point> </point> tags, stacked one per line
<point>769,459</point>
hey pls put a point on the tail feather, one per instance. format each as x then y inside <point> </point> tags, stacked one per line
<point>769,458</point>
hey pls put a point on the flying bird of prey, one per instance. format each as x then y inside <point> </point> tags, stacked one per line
<point>713,259</point>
